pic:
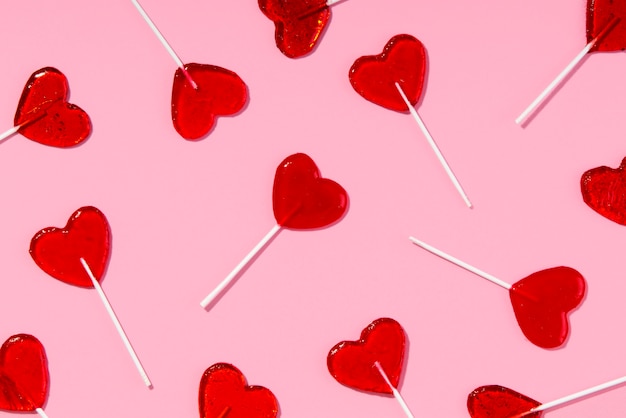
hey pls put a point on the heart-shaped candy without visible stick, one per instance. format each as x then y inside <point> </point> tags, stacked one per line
<point>46,116</point>
<point>599,15</point>
<point>499,402</point>
<point>23,374</point>
<point>402,61</point>
<point>224,393</point>
<point>542,302</point>
<point>299,23</point>
<point>351,363</point>
<point>302,199</point>
<point>58,250</point>
<point>220,92</point>
<point>604,190</point>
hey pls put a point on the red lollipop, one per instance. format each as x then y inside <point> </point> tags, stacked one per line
<point>224,393</point>
<point>44,115</point>
<point>302,200</point>
<point>606,31</point>
<point>299,24</point>
<point>24,377</point>
<point>374,363</point>
<point>394,79</point>
<point>200,92</point>
<point>78,254</point>
<point>541,302</point>
<point>604,190</point>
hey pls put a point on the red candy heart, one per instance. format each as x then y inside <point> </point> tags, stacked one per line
<point>499,402</point>
<point>58,250</point>
<point>403,60</point>
<point>542,302</point>
<point>299,23</point>
<point>23,374</point>
<point>599,15</point>
<point>604,190</point>
<point>220,93</point>
<point>302,198</point>
<point>45,115</point>
<point>224,393</point>
<point>351,363</point>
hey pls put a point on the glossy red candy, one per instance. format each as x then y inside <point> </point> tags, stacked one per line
<point>352,363</point>
<point>47,116</point>
<point>220,92</point>
<point>599,15</point>
<point>302,199</point>
<point>543,301</point>
<point>403,60</point>
<point>58,250</point>
<point>604,190</point>
<point>495,401</point>
<point>24,375</point>
<point>299,23</point>
<point>224,393</point>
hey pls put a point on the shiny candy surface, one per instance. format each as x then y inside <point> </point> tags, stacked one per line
<point>604,190</point>
<point>495,401</point>
<point>599,15</point>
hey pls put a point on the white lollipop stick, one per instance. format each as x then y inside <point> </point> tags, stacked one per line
<point>117,324</point>
<point>396,393</point>
<point>41,413</point>
<point>434,146</point>
<point>163,41</point>
<point>460,263</point>
<point>568,69</point>
<point>220,287</point>
<point>10,132</point>
<point>331,2</point>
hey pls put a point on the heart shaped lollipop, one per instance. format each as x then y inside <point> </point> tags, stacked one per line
<point>599,15</point>
<point>58,251</point>
<point>299,24</point>
<point>224,393</point>
<point>44,114</point>
<point>302,200</point>
<point>24,377</point>
<point>219,92</point>
<point>604,190</point>
<point>541,302</point>
<point>495,401</point>
<point>402,61</point>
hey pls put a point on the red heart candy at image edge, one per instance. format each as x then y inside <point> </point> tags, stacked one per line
<point>542,302</point>
<point>224,393</point>
<point>599,15</point>
<point>57,251</point>
<point>495,401</point>
<point>302,199</point>
<point>351,363</point>
<point>604,190</point>
<point>46,115</point>
<point>24,377</point>
<point>220,92</point>
<point>403,60</point>
<point>299,23</point>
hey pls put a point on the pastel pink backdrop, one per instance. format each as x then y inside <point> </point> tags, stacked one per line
<point>183,214</point>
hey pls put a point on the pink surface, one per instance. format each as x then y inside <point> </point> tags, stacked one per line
<point>183,214</point>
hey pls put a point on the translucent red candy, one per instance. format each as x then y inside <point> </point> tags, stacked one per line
<point>604,190</point>
<point>302,199</point>
<point>224,393</point>
<point>543,301</point>
<point>599,15</point>
<point>46,115</point>
<point>403,60</point>
<point>24,377</point>
<point>220,92</point>
<point>352,363</point>
<point>499,402</point>
<point>299,23</point>
<point>57,251</point>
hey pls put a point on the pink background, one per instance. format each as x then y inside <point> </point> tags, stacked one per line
<point>183,214</point>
